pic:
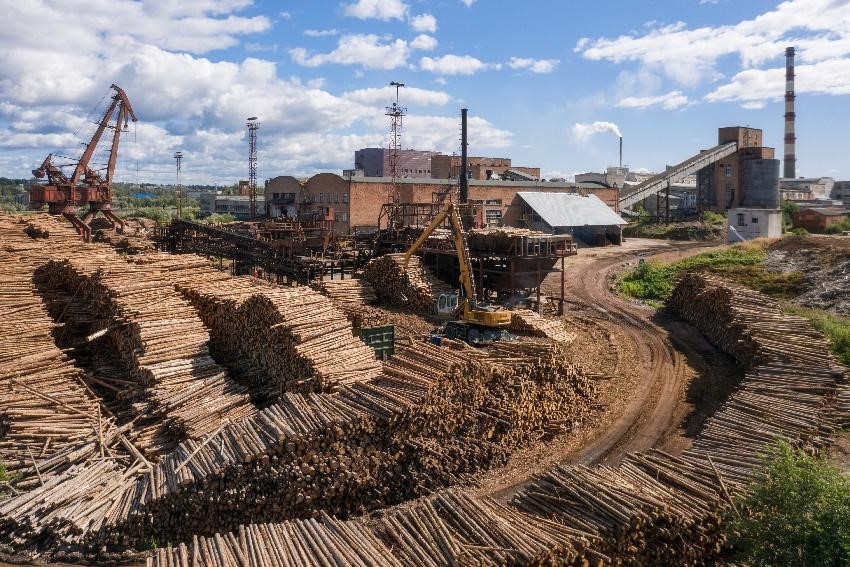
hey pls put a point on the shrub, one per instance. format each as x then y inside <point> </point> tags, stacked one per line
<point>710,217</point>
<point>796,513</point>
<point>799,231</point>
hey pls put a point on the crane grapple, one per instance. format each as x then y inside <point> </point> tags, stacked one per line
<point>63,195</point>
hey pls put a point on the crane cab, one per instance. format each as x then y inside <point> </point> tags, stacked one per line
<point>447,305</point>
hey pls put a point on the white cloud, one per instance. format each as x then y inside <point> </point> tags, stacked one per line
<point>284,15</point>
<point>533,65</point>
<point>441,81</point>
<point>820,29</point>
<point>377,9</point>
<point>425,23</point>
<point>188,102</point>
<point>468,3</point>
<point>669,101</point>
<point>831,76</point>
<point>321,33</point>
<point>424,42</point>
<point>455,65</point>
<point>366,50</point>
<point>583,132</point>
<point>409,95</point>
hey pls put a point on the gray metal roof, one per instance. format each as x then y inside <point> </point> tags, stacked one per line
<point>571,209</point>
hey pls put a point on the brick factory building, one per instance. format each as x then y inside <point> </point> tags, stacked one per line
<point>375,162</point>
<point>352,201</point>
<point>481,168</point>
<point>747,178</point>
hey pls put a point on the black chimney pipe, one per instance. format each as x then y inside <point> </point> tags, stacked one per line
<point>464,174</point>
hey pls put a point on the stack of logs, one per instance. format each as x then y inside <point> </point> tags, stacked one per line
<point>415,288</point>
<point>433,416</point>
<point>527,322</point>
<point>652,509</point>
<point>294,339</point>
<point>352,297</point>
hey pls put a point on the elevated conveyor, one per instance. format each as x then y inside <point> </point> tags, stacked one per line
<point>691,165</point>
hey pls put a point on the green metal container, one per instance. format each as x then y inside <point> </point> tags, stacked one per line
<point>382,339</point>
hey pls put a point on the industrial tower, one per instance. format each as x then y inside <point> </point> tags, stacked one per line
<point>253,125</point>
<point>396,114</point>
<point>790,163</point>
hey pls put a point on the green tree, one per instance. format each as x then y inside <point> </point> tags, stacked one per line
<point>788,208</point>
<point>796,513</point>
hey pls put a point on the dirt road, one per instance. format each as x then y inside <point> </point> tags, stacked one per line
<point>665,376</point>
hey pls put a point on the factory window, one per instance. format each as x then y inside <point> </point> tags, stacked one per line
<point>336,197</point>
<point>741,220</point>
<point>493,202</point>
<point>275,195</point>
<point>342,217</point>
<point>755,220</point>
<point>345,197</point>
<point>321,197</point>
<point>727,170</point>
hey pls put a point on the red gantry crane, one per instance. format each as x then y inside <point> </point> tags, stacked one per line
<point>63,194</point>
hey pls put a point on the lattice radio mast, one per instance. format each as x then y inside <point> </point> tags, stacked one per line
<point>253,125</point>
<point>396,114</point>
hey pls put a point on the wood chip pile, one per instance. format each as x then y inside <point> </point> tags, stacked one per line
<point>528,322</point>
<point>387,278</point>
<point>654,508</point>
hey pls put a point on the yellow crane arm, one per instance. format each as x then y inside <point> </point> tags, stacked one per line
<point>462,256</point>
<point>438,220</point>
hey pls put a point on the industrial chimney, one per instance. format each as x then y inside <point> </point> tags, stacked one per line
<point>621,152</point>
<point>790,164</point>
<point>464,175</point>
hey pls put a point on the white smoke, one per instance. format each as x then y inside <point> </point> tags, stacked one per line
<point>583,132</point>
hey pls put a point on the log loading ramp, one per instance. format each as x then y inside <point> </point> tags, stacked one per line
<point>660,182</point>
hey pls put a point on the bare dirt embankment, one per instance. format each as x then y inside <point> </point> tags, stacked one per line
<point>823,261</point>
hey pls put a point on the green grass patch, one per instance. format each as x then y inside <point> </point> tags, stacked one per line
<point>654,282</point>
<point>834,327</point>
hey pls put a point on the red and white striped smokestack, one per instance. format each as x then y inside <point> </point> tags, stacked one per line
<point>790,164</point>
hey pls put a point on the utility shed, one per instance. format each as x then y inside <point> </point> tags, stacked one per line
<point>585,217</point>
<point>819,219</point>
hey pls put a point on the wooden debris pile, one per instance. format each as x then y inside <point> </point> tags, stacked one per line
<point>528,322</point>
<point>416,289</point>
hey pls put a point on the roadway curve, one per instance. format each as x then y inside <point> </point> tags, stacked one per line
<point>668,357</point>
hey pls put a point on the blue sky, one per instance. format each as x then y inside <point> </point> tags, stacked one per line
<point>546,81</point>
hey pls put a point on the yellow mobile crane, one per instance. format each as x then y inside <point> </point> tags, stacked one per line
<point>478,324</point>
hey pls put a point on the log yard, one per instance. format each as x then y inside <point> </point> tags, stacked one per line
<point>429,359</point>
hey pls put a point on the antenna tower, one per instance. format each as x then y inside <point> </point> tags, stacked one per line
<point>178,156</point>
<point>253,125</point>
<point>396,114</point>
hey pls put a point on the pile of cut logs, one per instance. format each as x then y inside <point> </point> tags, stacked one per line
<point>348,293</point>
<point>527,322</point>
<point>295,337</point>
<point>652,509</point>
<point>416,289</point>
